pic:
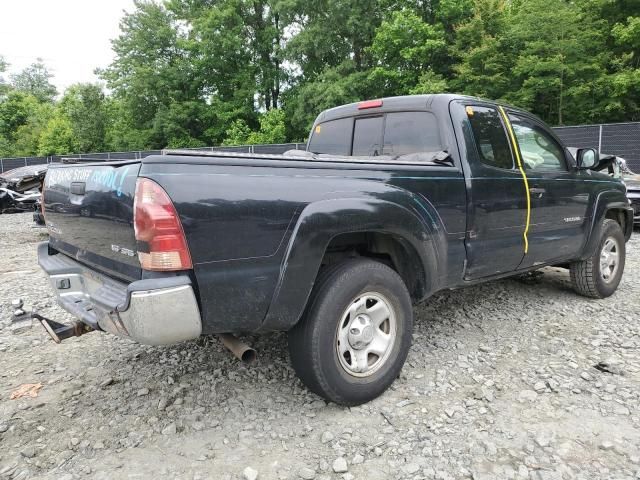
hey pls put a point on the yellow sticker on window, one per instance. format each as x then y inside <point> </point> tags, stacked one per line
<point>318,129</point>
<point>469,111</point>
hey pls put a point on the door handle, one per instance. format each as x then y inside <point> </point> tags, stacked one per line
<point>537,191</point>
<point>78,188</point>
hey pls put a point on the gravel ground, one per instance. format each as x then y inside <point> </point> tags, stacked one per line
<point>500,384</point>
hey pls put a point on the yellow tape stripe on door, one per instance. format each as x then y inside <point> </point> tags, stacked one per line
<point>524,177</point>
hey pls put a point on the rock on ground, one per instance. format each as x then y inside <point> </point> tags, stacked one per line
<point>509,379</point>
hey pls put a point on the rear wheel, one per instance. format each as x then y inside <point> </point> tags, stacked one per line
<point>355,334</point>
<point>599,275</point>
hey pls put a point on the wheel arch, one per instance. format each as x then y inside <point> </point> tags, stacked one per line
<point>608,204</point>
<point>389,248</point>
<point>393,231</point>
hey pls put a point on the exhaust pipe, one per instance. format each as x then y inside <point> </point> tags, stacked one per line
<point>60,331</point>
<point>240,350</point>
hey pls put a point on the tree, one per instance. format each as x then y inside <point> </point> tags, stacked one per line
<point>58,137</point>
<point>238,133</point>
<point>335,86</point>
<point>15,111</point>
<point>272,130</point>
<point>26,138</point>
<point>149,71</point>
<point>266,21</point>
<point>536,54</point>
<point>430,82</point>
<point>484,57</point>
<point>406,50</point>
<point>85,107</point>
<point>203,72</point>
<point>4,88</point>
<point>624,80</point>
<point>34,80</point>
<point>121,133</point>
<point>329,33</point>
<point>558,61</point>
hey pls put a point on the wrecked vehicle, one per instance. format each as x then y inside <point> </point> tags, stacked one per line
<point>632,181</point>
<point>394,200</point>
<point>617,168</point>
<point>20,188</point>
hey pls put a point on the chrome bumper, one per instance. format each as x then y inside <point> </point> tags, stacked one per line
<point>153,312</point>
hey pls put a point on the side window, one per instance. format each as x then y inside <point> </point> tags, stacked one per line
<point>538,149</point>
<point>411,132</point>
<point>490,137</point>
<point>367,134</point>
<point>333,137</point>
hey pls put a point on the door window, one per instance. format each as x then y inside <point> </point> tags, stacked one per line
<point>367,134</point>
<point>332,137</point>
<point>538,148</point>
<point>411,132</point>
<point>490,137</point>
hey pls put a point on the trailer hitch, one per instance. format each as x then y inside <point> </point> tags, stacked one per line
<point>60,331</point>
<point>57,331</point>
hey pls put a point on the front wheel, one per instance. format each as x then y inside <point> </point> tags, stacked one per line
<point>355,334</point>
<point>599,275</point>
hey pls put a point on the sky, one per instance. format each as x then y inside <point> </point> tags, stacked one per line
<point>71,36</point>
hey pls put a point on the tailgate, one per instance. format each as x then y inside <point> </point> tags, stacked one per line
<point>89,215</point>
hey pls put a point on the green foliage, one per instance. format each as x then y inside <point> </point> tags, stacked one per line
<point>147,73</point>
<point>547,56</point>
<point>20,117</point>
<point>26,138</point>
<point>34,80</point>
<point>429,82</point>
<point>15,110</point>
<point>58,137</point>
<point>85,107</point>
<point>4,88</point>
<point>189,73</point>
<point>335,86</point>
<point>624,81</point>
<point>557,61</point>
<point>405,50</point>
<point>272,130</point>
<point>121,134</point>
<point>238,133</point>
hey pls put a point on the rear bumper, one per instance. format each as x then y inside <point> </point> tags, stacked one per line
<point>153,312</point>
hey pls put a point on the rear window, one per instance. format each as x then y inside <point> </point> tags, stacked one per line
<point>333,137</point>
<point>404,133</point>
<point>367,134</point>
<point>411,132</point>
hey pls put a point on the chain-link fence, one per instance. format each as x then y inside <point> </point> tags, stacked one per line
<point>622,139</point>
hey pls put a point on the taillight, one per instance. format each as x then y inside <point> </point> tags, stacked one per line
<point>370,104</point>
<point>162,245</point>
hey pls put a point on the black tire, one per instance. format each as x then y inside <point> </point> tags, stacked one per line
<point>586,275</point>
<point>314,343</point>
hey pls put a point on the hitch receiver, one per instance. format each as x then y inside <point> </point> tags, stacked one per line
<point>60,331</point>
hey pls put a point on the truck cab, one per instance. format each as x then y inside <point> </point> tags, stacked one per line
<point>525,195</point>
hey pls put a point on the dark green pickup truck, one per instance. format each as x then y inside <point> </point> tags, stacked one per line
<point>394,200</point>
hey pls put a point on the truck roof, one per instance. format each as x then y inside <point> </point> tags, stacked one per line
<point>406,102</point>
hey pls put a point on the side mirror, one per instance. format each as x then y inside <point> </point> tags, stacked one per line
<point>586,158</point>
